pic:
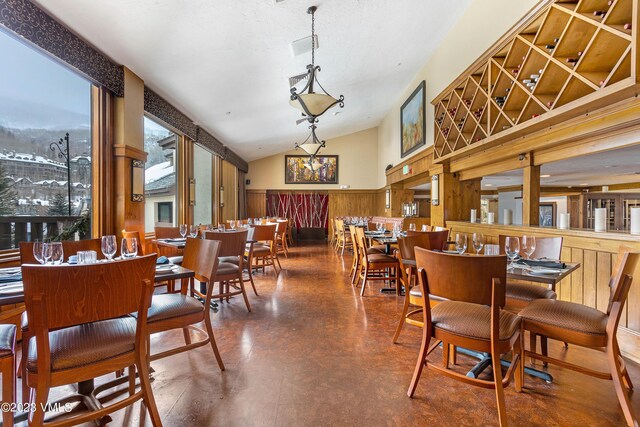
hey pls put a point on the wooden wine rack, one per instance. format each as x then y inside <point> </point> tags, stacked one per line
<point>557,64</point>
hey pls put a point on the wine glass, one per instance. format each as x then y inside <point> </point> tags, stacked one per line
<point>424,227</point>
<point>528,245</point>
<point>37,251</point>
<point>232,224</point>
<point>57,253</point>
<point>183,230</point>
<point>109,246</point>
<point>512,248</point>
<point>461,243</point>
<point>478,242</point>
<point>412,227</point>
<point>193,231</point>
<point>46,252</point>
<point>129,247</point>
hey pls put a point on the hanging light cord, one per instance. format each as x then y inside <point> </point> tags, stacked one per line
<point>313,37</point>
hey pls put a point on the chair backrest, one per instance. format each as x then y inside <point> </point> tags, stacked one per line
<point>201,256</point>
<point>407,245</point>
<point>626,264</point>
<point>264,233</point>
<point>340,227</point>
<point>77,294</point>
<point>546,247</point>
<point>167,232</point>
<point>372,226</point>
<point>462,278</point>
<point>281,227</point>
<point>437,239</point>
<point>232,243</point>
<point>134,235</point>
<point>353,230</point>
<point>69,247</point>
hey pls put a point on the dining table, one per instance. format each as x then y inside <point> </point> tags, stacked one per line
<point>524,272</point>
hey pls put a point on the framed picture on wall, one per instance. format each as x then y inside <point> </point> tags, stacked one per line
<point>547,214</point>
<point>300,170</point>
<point>412,121</point>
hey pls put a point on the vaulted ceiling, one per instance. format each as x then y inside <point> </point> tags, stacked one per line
<point>226,63</point>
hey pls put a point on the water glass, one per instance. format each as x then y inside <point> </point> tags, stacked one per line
<point>249,221</point>
<point>183,230</point>
<point>412,227</point>
<point>478,242</point>
<point>109,246</point>
<point>512,248</point>
<point>129,247</point>
<point>57,253</point>
<point>87,257</point>
<point>37,251</point>
<point>461,243</point>
<point>193,231</point>
<point>528,245</point>
<point>221,227</point>
<point>424,227</point>
<point>491,249</point>
<point>232,224</point>
<point>46,252</point>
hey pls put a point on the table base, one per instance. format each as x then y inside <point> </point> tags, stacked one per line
<point>485,362</point>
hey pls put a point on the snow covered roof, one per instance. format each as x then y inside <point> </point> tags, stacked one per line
<point>157,172</point>
<point>30,158</point>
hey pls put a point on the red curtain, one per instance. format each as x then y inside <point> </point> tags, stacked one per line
<point>307,210</point>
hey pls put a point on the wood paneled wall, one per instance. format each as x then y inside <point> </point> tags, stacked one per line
<point>229,180</point>
<point>353,203</point>
<point>589,285</point>
<point>256,203</point>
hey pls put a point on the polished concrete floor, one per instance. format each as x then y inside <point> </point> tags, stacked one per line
<point>313,353</point>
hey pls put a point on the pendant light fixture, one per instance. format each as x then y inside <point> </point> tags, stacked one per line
<point>313,104</point>
<point>313,164</point>
<point>312,144</point>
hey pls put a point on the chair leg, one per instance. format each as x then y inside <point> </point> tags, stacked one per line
<point>454,355</point>
<point>616,374</point>
<point>187,337</point>
<point>244,294</point>
<point>212,340</point>
<point>445,355</point>
<point>147,392</point>
<point>518,373</point>
<point>38,399</point>
<point>8,367</point>
<point>26,337</point>
<point>532,344</point>
<point>403,317</point>
<point>497,378</point>
<point>132,380</point>
<point>422,360</point>
<point>543,348</point>
<point>625,373</point>
<point>364,280</point>
<point>278,261</point>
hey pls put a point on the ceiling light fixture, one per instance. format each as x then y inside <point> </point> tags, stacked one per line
<point>545,176</point>
<point>312,144</point>
<point>313,164</point>
<point>313,104</point>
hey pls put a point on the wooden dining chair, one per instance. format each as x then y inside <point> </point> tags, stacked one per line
<point>167,232</point>
<point>344,237</point>
<point>71,345</point>
<point>471,316</point>
<point>588,327</point>
<point>229,274</point>
<point>174,255</point>
<point>289,233</point>
<point>281,238</point>
<point>8,371</point>
<point>182,310</point>
<point>376,266</point>
<point>263,250</point>
<point>408,277</point>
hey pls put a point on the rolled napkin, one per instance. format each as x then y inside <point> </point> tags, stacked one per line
<point>542,263</point>
<point>162,260</point>
<point>73,259</point>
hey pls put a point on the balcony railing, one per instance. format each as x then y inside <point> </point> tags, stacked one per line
<point>16,229</point>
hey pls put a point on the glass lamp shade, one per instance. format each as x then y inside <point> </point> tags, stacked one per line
<point>313,104</point>
<point>310,147</point>
<point>314,165</point>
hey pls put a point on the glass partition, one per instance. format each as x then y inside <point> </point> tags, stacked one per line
<point>160,176</point>
<point>202,169</point>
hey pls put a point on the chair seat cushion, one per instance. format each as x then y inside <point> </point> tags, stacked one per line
<point>225,268</point>
<point>379,248</point>
<point>472,320</point>
<point>529,292</point>
<point>374,251</point>
<point>261,250</point>
<point>7,340</point>
<point>381,258</point>
<point>416,291</point>
<point>86,344</point>
<point>566,321</point>
<point>176,260</point>
<point>169,306</point>
<point>232,259</point>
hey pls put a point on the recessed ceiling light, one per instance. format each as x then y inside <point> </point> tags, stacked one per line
<point>545,176</point>
<point>398,64</point>
<point>228,112</point>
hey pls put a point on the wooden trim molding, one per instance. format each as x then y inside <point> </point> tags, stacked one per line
<point>158,107</point>
<point>34,25</point>
<point>120,150</point>
<point>419,164</point>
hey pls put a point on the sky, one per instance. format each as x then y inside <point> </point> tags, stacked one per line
<point>29,76</point>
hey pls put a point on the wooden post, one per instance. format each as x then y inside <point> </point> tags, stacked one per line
<point>531,195</point>
<point>456,198</point>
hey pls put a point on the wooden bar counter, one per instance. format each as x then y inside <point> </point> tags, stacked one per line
<point>596,252</point>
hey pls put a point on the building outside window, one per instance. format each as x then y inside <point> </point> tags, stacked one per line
<point>41,101</point>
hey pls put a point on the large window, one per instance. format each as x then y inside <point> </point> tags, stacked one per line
<point>45,190</point>
<point>160,176</point>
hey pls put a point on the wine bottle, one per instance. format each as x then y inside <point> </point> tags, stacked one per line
<point>600,13</point>
<point>533,116</point>
<point>572,60</point>
<point>535,76</point>
<point>627,26</point>
<point>550,46</point>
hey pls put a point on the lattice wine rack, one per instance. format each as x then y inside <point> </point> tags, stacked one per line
<point>566,51</point>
